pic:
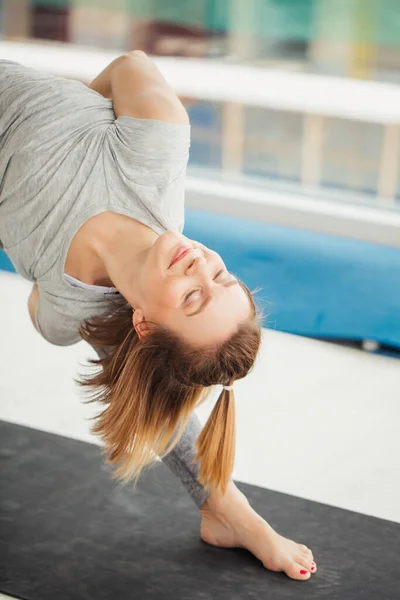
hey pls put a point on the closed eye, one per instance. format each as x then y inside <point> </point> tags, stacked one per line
<point>191,294</point>
<point>187,298</point>
<point>208,298</point>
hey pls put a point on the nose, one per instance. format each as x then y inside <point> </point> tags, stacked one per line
<point>198,263</point>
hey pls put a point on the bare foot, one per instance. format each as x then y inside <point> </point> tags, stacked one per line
<point>230,522</point>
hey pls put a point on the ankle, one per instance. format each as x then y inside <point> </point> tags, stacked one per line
<point>233,509</point>
<point>229,507</point>
<point>218,502</point>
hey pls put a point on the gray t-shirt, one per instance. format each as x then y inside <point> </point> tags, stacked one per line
<point>64,158</point>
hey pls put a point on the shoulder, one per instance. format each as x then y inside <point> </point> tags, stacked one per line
<point>139,90</point>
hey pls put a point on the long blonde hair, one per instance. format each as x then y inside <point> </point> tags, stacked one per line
<point>150,386</point>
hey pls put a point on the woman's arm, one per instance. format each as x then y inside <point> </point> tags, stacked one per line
<point>138,90</point>
<point>102,83</point>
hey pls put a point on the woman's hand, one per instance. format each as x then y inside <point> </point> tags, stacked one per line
<point>230,522</point>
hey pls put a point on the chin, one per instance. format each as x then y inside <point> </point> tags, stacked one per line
<point>172,238</point>
<point>164,246</point>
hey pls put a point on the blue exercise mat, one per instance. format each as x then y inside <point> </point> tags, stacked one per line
<point>5,262</point>
<point>313,284</point>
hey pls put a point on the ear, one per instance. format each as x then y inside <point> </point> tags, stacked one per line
<point>142,328</point>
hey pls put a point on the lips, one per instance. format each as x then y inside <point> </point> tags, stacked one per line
<point>180,253</point>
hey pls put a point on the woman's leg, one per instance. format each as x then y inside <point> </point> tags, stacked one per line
<point>230,521</point>
<point>180,461</point>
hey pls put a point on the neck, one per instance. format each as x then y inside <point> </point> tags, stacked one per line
<point>120,251</point>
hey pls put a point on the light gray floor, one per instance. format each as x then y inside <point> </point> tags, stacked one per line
<point>314,419</point>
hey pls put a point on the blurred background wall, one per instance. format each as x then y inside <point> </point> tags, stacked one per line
<point>346,38</point>
<point>294,170</point>
<point>355,38</point>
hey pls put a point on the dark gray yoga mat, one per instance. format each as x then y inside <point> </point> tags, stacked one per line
<point>70,532</point>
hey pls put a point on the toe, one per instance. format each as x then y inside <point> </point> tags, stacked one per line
<point>308,557</point>
<point>303,560</point>
<point>304,550</point>
<point>313,567</point>
<point>297,571</point>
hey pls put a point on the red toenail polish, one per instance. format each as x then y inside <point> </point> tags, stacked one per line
<point>302,572</point>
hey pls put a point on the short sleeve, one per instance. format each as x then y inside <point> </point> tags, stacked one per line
<point>39,325</point>
<point>148,151</point>
<point>54,326</point>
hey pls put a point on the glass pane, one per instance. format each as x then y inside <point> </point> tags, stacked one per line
<point>351,155</point>
<point>206,127</point>
<point>272,144</point>
<point>398,177</point>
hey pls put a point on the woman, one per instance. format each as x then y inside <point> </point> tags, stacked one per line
<point>91,211</point>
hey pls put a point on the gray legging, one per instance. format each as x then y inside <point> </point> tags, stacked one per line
<point>180,459</point>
